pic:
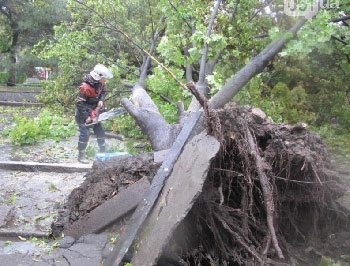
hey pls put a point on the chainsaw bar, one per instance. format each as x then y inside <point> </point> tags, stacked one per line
<point>107,115</point>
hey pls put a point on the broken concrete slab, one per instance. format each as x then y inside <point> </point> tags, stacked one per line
<point>23,247</point>
<point>110,211</point>
<point>66,242</point>
<point>79,254</point>
<point>45,167</point>
<point>178,195</point>
<point>192,127</point>
<point>98,240</point>
<point>87,251</point>
<point>159,156</point>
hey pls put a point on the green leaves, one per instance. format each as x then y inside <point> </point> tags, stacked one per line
<point>22,24</point>
<point>290,88</point>
<point>215,81</point>
<point>171,52</point>
<point>315,35</point>
<point>31,129</point>
<point>161,83</point>
<point>280,103</point>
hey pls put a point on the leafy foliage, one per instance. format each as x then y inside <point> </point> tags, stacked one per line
<point>56,98</point>
<point>127,126</point>
<point>3,77</point>
<point>304,82</point>
<point>29,130</point>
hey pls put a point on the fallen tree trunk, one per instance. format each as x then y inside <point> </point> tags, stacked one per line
<point>160,134</point>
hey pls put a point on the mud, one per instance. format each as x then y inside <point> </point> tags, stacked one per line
<point>105,180</point>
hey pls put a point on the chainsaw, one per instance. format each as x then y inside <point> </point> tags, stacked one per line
<point>98,116</point>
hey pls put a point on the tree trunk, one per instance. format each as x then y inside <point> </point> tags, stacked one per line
<point>147,116</point>
<point>12,71</point>
<point>161,134</point>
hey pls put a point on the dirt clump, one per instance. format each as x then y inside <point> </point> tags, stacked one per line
<point>270,197</point>
<point>102,182</point>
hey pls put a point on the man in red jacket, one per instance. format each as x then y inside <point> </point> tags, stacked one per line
<point>89,101</point>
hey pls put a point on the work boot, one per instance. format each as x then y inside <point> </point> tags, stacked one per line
<point>82,158</point>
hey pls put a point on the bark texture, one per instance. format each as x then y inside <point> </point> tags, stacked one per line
<point>160,134</point>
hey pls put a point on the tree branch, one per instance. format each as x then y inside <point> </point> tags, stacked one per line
<point>259,10</point>
<point>201,78</point>
<point>339,40</point>
<point>340,19</point>
<point>257,64</point>
<point>174,7</point>
<point>202,84</point>
<point>233,14</point>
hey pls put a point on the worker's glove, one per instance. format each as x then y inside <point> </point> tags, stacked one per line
<point>93,116</point>
<point>94,113</point>
<point>88,120</point>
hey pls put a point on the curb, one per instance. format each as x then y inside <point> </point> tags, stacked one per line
<point>46,167</point>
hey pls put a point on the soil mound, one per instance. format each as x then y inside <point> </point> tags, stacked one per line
<point>104,181</point>
<point>270,196</point>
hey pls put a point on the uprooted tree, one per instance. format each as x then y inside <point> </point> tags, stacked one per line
<point>162,135</point>
<point>267,180</point>
<point>269,198</point>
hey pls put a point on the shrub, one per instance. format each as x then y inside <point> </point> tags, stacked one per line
<point>4,76</point>
<point>29,130</point>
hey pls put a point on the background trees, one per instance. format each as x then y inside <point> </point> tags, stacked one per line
<point>23,24</point>
<point>313,70</point>
<point>307,82</point>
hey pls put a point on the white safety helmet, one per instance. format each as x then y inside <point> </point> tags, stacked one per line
<point>100,71</point>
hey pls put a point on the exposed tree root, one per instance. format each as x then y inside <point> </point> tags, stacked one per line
<point>267,192</point>
<point>264,196</point>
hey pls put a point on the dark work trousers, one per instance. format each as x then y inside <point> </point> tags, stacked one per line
<point>84,135</point>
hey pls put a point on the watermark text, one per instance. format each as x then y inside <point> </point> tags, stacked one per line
<point>307,8</point>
